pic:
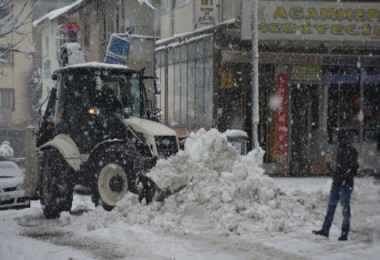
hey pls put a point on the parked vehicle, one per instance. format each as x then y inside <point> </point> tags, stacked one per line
<point>12,193</point>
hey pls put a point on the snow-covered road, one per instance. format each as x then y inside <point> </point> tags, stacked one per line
<point>26,234</point>
<point>228,209</point>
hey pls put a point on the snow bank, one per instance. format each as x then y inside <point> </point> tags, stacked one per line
<point>220,191</point>
<point>6,150</point>
<point>75,54</point>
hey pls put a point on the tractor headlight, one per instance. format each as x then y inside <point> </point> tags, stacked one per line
<point>94,111</point>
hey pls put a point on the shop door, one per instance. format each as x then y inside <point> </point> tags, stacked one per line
<point>232,96</point>
<point>303,123</point>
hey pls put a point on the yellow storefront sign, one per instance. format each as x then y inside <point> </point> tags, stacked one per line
<point>304,20</point>
<point>305,73</point>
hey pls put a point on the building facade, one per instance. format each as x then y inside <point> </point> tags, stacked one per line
<point>91,24</point>
<point>15,66</point>
<point>319,71</point>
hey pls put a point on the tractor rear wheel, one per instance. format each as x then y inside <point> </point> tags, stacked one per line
<point>56,188</point>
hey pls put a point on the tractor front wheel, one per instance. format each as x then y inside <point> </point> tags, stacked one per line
<point>112,181</point>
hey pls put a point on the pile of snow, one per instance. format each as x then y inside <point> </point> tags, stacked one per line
<point>6,150</point>
<point>219,191</point>
<point>71,53</point>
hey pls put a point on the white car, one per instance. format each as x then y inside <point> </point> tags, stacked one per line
<point>12,193</point>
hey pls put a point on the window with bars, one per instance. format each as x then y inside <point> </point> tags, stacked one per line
<point>5,57</point>
<point>6,99</point>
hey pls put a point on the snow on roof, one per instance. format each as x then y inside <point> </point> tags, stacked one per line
<point>176,44</point>
<point>57,13</point>
<point>147,2</point>
<point>63,10</point>
<point>197,31</point>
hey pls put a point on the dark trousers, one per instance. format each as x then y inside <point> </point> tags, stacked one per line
<point>342,194</point>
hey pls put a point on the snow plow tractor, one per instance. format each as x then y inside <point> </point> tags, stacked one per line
<point>98,131</point>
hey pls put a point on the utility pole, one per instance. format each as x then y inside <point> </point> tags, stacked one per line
<point>255,76</point>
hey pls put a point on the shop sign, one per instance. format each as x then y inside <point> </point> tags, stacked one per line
<point>305,73</point>
<point>350,79</point>
<point>372,79</point>
<point>304,20</point>
<point>226,78</point>
<point>206,12</point>
<point>351,60</point>
<point>281,118</point>
<point>341,79</point>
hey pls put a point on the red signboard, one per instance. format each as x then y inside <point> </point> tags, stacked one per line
<point>281,118</point>
<point>70,27</point>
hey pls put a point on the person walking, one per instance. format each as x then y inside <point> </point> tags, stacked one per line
<point>342,186</point>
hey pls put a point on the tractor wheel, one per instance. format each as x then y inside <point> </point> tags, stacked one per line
<point>112,182</point>
<point>56,188</point>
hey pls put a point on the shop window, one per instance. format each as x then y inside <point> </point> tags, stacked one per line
<point>6,102</point>
<point>170,96</point>
<point>177,93</point>
<point>371,111</point>
<point>352,106</point>
<point>183,93</point>
<point>208,92</point>
<point>191,93</point>
<point>200,92</point>
<point>343,109</point>
<point>188,98</point>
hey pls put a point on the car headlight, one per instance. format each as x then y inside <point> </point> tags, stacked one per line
<point>20,186</point>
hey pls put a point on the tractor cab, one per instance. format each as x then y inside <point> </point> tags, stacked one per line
<point>89,103</point>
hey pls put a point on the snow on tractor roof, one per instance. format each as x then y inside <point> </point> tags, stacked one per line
<point>95,64</point>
